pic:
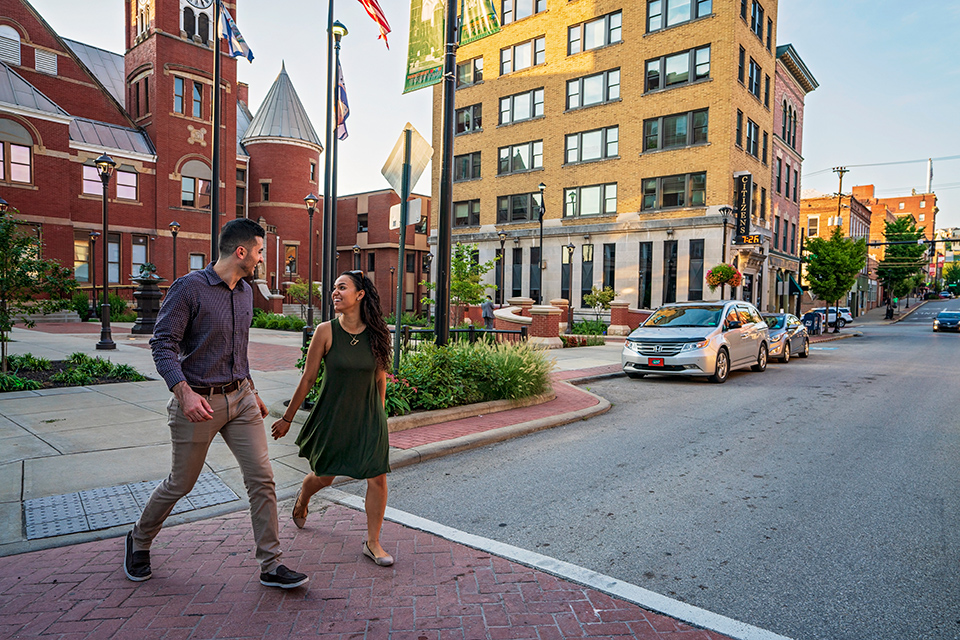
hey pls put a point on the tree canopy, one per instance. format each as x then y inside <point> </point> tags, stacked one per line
<point>833,265</point>
<point>466,275</point>
<point>901,261</point>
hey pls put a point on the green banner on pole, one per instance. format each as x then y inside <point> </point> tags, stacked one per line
<point>478,19</point>
<point>425,53</point>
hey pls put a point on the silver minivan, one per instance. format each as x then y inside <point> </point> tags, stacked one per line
<point>698,339</point>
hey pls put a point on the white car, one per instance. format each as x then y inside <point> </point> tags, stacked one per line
<point>845,316</point>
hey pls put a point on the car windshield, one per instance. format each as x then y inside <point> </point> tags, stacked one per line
<point>949,314</point>
<point>705,316</point>
<point>774,322</point>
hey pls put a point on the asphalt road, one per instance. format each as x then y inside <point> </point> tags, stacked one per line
<point>819,499</point>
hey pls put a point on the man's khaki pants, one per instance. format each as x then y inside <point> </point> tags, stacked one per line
<point>236,417</point>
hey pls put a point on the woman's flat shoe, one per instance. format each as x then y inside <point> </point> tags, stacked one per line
<point>300,522</point>
<point>383,561</point>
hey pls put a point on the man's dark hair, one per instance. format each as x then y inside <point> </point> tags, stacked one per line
<point>239,232</point>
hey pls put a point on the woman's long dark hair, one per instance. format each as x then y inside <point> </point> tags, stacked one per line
<point>371,314</point>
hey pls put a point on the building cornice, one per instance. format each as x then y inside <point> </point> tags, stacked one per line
<point>6,107</point>
<point>119,153</point>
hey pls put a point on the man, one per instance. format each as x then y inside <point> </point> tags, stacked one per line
<point>486,312</point>
<point>200,349</point>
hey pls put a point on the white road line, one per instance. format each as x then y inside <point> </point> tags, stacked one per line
<point>611,586</point>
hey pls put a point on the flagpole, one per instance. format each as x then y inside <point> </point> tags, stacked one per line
<point>328,251</point>
<point>215,161</point>
<point>333,173</point>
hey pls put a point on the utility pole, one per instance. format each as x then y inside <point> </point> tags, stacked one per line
<point>840,171</point>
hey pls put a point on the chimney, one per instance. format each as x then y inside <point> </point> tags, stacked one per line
<point>243,93</point>
<point>863,193</point>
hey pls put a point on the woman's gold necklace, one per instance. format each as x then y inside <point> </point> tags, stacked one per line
<point>354,339</point>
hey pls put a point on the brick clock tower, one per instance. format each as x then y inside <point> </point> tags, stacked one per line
<point>169,60</point>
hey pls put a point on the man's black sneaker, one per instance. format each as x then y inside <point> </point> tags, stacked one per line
<point>283,578</point>
<point>136,564</point>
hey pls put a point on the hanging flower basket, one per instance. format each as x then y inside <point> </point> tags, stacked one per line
<point>723,274</point>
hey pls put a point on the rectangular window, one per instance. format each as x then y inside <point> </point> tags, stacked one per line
<point>411,261</point>
<point>645,286</point>
<point>793,238</point>
<point>565,271</point>
<point>466,213</point>
<point>362,222</point>
<point>177,95</point>
<point>673,192</point>
<point>242,193</point>
<point>779,173</point>
<point>741,65</point>
<point>127,185</point>
<point>196,261</point>
<point>521,106</point>
<point>610,266</point>
<point>670,271</point>
<point>763,203</point>
<point>188,192</point>
<point>518,208</point>
<point>594,200</point>
<point>695,290</point>
<point>765,143</point>
<point>756,20</point>
<point>466,167</point>
<point>594,89</point>
<point>679,130</point>
<point>138,253</point>
<point>592,145</point>
<point>289,259</point>
<point>813,226</point>
<point>766,91</point>
<point>668,13</point>
<point>786,189</point>
<point>523,56</point>
<point>313,171</point>
<point>753,138</point>
<point>265,191</point>
<point>769,34</point>
<point>677,69</point>
<point>520,157</point>
<point>594,34</point>
<point>776,233</point>
<point>470,119</point>
<point>743,9</point>
<point>516,273</point>
<point>371,261</point>
<point>82,256</point>
<point>796,181</point>
<point>203,194</point>
<point>92,186</point>
<point>753,82</point>
<point>469,72</point>
<point>586,274</point>
<point>512,10</point>
<point>535,274</point>
<point>197,100</point>
<point>113,257</point>
<point>146,95</point>
<point>739,128</point>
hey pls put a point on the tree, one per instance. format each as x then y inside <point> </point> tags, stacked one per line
<point>298,293</point>
<point>600,299</point>
<point>833,266</point>
<point>28,283</point>
<point>466,273</point>
<point>901,261</point>
<point>951,276</point>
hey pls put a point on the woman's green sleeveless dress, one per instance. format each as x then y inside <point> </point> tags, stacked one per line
<point>346,432</point>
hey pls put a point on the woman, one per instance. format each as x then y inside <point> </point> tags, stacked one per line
<point>346,433</point>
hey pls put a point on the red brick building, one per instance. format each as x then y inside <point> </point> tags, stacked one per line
<point>64,103</point>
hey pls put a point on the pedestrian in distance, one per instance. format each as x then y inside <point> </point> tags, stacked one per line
<point>486,312</point>
<point>346,431</point>
<point>200,350</point>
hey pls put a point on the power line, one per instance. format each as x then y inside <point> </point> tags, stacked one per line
<point>884,164</point>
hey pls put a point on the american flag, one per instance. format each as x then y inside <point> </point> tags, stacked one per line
<point>375,12</point>
<point>343,109</point>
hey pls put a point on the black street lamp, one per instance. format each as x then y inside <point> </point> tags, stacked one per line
<point>570,249</point>
<point>105,167</point>
<point>93,271</point>
<point>503,265</point>
<point>311,202</point>
<point>174,230</point>
<point>725,212</point>
<point>540,257</point>
<point>393,270</point>
<point>356,257</point>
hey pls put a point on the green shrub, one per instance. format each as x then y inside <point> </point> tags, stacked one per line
<point>10,382</point>
<point>589,327</point>
<point>118,310</point>
<point>126,372</point>
<point>78,358</point>
<point>399,395</point>
<point>74,377</point>
<point>582,340</point>
<point>410,320</point>
<point>27,362</point>
<point>80,302</point>
<point>264,320</point>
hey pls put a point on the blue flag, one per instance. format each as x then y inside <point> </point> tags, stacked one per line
<point>236,45</point>
<point>343,108</point>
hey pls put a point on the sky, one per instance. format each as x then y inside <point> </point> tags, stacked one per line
<point>889,85</point>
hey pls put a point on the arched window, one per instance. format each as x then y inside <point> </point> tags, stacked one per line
<point>16,153</point>
<point>203,27</point>
<point>9,44</point>
<point>195,185</point>
<point>143,19</point>
<point>793,132</point>
<point>189,22</point>
<point>783,125</point>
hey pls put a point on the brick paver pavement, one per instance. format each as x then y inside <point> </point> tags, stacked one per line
<point>205,585</point>
<point>75,327</point>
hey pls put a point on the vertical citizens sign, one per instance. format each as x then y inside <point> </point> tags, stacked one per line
<point>744,201</point>
<point>426,50</point>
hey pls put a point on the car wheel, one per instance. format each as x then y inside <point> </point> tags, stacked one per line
<point>785,358</point>
<point>722,369</point>
<point>761,359</point>
<point>634,375</point>
<point>805,351</point>
<point>842,323</point>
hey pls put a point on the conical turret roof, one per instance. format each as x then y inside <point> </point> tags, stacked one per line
<point>282,115</point>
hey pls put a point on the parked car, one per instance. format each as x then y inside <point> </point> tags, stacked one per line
<point>698,339</point>
<point>947,321</point>
<point>946,295</point>
<point>845,316</point>
<point>788,336</point>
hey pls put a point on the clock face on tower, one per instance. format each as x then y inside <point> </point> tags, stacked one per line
<point>201,4</point>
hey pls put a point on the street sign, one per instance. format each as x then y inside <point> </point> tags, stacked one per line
<point>420,154</point>
<point>414,208</point>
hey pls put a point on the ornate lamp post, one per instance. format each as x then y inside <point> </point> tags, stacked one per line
<point>356,257</point>
<point>503,265</point>
<point>105,167</point>
<point>725,212</point>
<point>93,272</point>
<point>540,257</point>
<point>311,202</point>
<point>570,249</point>
<point>174,230</point>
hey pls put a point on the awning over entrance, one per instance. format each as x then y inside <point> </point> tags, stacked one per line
<point>795,289</point>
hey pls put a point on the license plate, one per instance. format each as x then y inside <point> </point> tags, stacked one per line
<point>655,362</point>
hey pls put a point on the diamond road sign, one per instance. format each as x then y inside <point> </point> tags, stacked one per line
<point>420,154</point>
